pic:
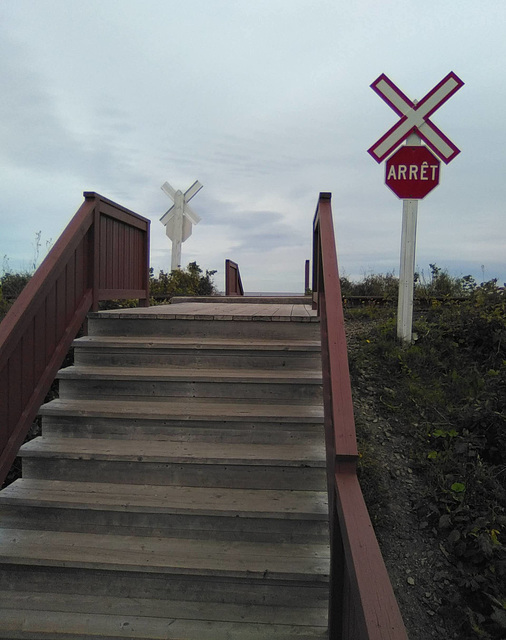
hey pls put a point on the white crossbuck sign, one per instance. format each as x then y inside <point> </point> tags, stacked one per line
<point>178,220</point>
<point>415,117</point>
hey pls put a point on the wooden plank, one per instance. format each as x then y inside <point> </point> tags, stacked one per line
<point>49,324</point>
<point>61,302</point>
<point>208,453</point>
<point>169,499</point>
<point>28,358</point>
<point>264,561</point>
<point>4,405</point>
<point>172,373</point>
<point>185,610</point>
<point>197,342</point>
<point>15,401</point>
<point>377,613</point>
<point>182,409</point>
<point>302,310</point>
<point>77,626</point>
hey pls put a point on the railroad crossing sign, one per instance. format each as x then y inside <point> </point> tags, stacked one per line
<point>178,220</point>
<point>415,117</point>
<point>412,172</point>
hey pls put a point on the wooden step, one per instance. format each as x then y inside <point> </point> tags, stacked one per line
<point>157,323</point>
<point>184,410</point>
<point>163,586</point>
<point>166,462</point>
<point>156,382</point>
<point>23,614</point>
<point>192,512</point>
<point>298,616</point>
<point>179,488</point>
<point>225,559</point>
<point>183,419</point>
<point>72,426</point>
<point>197,352</point>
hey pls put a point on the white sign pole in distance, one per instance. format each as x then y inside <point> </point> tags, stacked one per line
<point>407,266</point>
<point>178,220</point>
<point>176,224</point>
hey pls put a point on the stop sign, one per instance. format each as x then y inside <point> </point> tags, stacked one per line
<point>412,172</point>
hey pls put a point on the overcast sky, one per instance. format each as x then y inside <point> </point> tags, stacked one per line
<point>266,103</point>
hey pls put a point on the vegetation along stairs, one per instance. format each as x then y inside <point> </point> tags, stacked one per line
<point>178,489</point>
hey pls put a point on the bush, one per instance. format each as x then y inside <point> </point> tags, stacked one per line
<point>449,387</point>
<point>383,285</point>
<point>439,284</point>
<point>11,285</point>
<point>182,282</point>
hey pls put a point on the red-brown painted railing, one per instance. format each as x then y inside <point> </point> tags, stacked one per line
<point>233,283</point>
<point>362,603</point>
<point>102,254</point>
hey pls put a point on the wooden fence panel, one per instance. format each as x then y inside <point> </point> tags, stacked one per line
<point>89,262</point>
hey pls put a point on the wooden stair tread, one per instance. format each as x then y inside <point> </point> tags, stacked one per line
<point>186,409</point>
<point>181,609</point>
<point>310,453</point>
<point>167,499</point>
<point>263,561</point>
<point>187,374</point>
<point>19,624</point>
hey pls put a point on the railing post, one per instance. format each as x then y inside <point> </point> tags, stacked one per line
<point>233,282</point>
<point>145,302</point>
<point>95,258</point>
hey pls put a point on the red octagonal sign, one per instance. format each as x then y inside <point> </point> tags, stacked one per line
<point>412,172</point>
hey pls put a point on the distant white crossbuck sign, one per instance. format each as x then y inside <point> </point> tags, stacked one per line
<point>178,220</point>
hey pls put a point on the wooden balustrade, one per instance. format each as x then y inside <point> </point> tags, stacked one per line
<point>362,604</point>
<point>102,254</point>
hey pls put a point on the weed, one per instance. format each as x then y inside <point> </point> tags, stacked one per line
<point>451,384</point>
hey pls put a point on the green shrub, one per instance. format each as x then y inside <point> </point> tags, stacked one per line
<point>449,388</point>
<point>438,284</point>
<point>183,282</point>
<point>11,285</point>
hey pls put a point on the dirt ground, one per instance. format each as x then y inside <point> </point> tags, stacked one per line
<point>417,565</point>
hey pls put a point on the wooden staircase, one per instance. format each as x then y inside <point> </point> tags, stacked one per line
<point>178,489</point>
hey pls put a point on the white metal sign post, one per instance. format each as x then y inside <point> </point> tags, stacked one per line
<point>178,220</point>
<point>411,182</point>
<point>407,267</point>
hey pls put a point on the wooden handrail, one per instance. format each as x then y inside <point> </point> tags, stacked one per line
<point>102,254</point>
<point>233,283</point>
<point>362,604</point>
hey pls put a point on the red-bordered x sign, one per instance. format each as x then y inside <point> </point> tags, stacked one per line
<point>415,117</point>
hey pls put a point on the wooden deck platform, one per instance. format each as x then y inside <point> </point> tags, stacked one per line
<point>231,309</point>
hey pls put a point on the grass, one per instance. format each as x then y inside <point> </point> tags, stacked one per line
<point>448,389</point>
